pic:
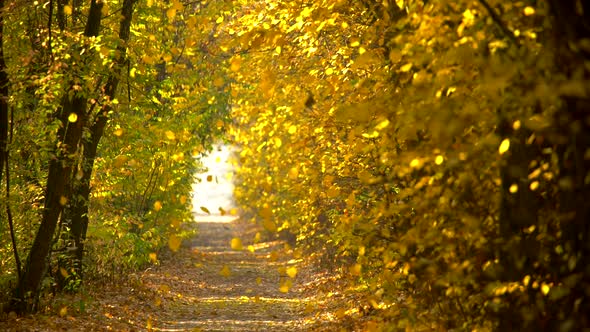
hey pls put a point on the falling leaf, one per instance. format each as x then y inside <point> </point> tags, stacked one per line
<point>73,117</point>
<point>269,225</point>
<point>170,13</point>
<point>292,271</point>
<point>209,178</point>
<point>504,146</point>
<point>174,242</point>
<point>204,209</point>
<point>225,271</point>
<point>64,273</point>
<point>153,257</point>
<point>236,243</point>
<point>285,285</point>
<point>170,135</point>
<point>406,68</point>
<point>513,188</point>
<point>545,289</point>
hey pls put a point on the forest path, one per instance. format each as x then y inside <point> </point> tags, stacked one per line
<point>204,286</point>
<point>207,286</point>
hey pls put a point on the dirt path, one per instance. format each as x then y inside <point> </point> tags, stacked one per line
<point>220,289</point>
<point>204,286</point>
<point>207,286</point>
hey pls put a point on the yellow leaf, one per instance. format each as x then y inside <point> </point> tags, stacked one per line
<point>329,71</point>
<point>293,173</point>
<point>406,68</point>
<point>153,257</point>
<point>251,249</point>
<point>382,125</point>
<point>219,19</point>
<point>170,13</point>
<point>528,11</point>
<point>355,270</point>
<point>182,199</point>
<point>258,280</point>
<point>292,129</point>
<point>513,188</point>
<point>64,273</point>
<point>265,212</point>
<point>174,242</point>
<point>177,5</point>
<point>439,160</point>
<point>63,200</point>
<point>63,311</point>
<point>545,289</point>
<point>67,10</point>
<point>235,64</point>
<point>286,285</point>
<point>118,132</point>
<point>273,256</point>
<point>333,192</point>
<point>218,82</point>
<point>225,271</point>
<point>504,146</point>
<point>73,117</point>
<point>269,225</point>
<point>236,244</point>
<point>278,142</point>
<point>157,206</point>
<point>170,135</point>
<point>292,271</point>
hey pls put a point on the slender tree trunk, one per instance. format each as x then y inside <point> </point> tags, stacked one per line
<point>76,214</point>
<point>73,119</point>
<point>4,126</point>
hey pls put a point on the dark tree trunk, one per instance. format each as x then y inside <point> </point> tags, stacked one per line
<point>58,184</point>
<point>567,265</point>
<point>4,127</point>
<point>571,36</point>
<point>76,214</point>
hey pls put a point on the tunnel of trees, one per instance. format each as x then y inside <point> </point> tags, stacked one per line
<point>437,152</point>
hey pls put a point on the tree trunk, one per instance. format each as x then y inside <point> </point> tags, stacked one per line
<point>76,214</point>
<point>571,36</point>
<point>73,119</point>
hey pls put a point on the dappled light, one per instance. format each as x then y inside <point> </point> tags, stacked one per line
<point>294,165</point>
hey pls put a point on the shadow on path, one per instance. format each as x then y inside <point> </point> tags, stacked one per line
<point>207,286</point>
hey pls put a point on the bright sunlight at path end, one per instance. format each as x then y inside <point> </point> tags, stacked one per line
<point>221,289</point>
<point>213,189</point>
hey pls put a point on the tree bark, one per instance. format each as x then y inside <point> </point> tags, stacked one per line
<point>76,214</point>
<point>57,191</point>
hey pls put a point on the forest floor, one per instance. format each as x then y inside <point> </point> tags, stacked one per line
<point>207,286</point>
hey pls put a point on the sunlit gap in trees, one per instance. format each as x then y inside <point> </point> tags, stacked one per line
<point>212,195</point>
